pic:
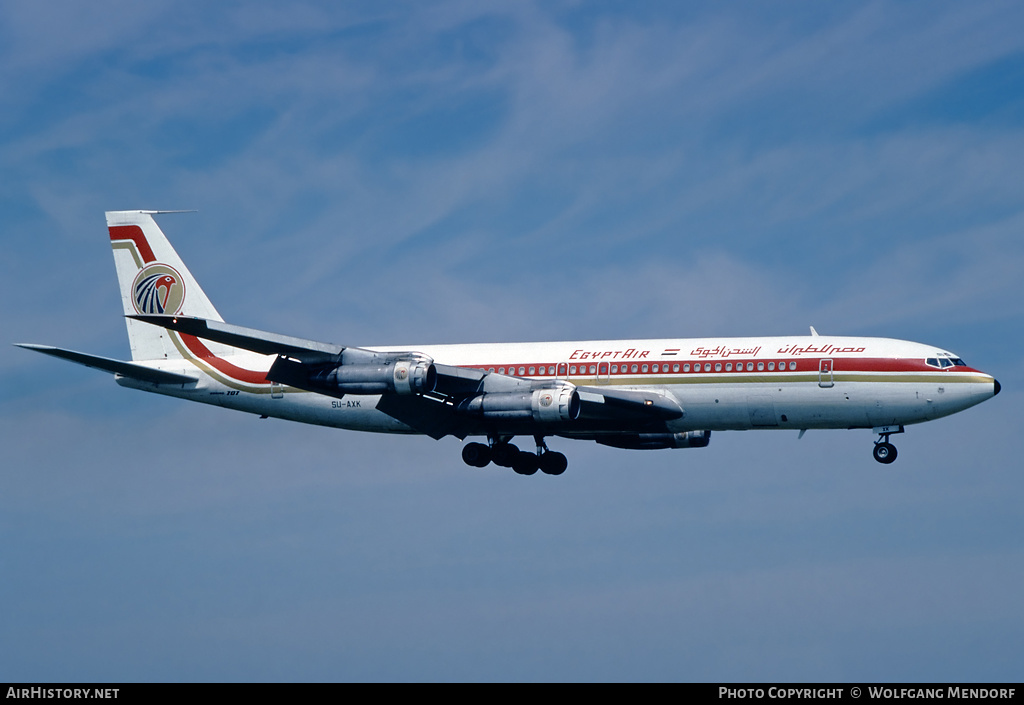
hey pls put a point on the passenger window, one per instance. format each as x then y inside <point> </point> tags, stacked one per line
<point>760,367</point>
<point>728,367</point>
<point>792,365</point>
<point>771,366</point>
<point>686,367</point>
<point>675,368</point>
<point>501,370</point>
<point>633,368</point>
<point>615,369</point>
<point>572,369</point>
<point>654,368</point>
<point>522,370</point>
<point>533,370</point>
<point>718,367</point>
<point>750,367</point>
<point>643,369</point>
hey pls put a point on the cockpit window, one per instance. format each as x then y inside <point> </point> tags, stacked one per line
<point>945,362</point>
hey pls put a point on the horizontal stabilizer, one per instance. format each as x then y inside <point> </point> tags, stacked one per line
<point>247,338</point>
<point>119,367</point>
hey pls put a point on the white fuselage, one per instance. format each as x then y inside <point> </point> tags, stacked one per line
<point>809,382</point>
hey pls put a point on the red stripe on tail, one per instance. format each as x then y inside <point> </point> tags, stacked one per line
<point>135,234</point>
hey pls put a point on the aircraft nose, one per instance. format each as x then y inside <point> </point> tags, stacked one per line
<point>996,386</point>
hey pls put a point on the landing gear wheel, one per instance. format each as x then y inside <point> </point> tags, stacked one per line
<point>526,463</point>
<point>884,452</point>
<point>504,454</point>
<point>476,455</point>
<point>553,463</point>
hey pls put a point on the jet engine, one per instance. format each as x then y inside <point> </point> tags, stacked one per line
<point>416,376</point>
<point>656,441</point>
<point>546,405</point>
<point>360,372</point>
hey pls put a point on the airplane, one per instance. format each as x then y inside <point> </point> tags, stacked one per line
<point>629,394</point>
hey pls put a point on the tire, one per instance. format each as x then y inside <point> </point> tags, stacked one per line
<point>504,454</point>
<point>526,463</point>
<point>884,453</point>
<point>476,455</point>
<point>553,463</point>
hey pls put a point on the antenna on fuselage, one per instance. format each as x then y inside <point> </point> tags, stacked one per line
<point>814,332</point>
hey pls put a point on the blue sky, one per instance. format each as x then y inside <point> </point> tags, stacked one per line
<point>464,172</point>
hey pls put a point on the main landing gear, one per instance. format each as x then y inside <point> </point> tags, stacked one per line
<point>504,454</point>
<point>884,451</point>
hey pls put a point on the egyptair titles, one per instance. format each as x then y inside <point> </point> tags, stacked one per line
<point>631,354</point>
<point>722,351</point>
<point>817,350</point>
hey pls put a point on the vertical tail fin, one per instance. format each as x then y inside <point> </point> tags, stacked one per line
<point>153,279</point>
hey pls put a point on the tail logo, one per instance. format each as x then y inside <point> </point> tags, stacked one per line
<point>158,289</point>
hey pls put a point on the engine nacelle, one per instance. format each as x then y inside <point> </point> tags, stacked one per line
<point>414,377</point>
<point>547,405</point>
<point>656,441</point>
<point>399,376</point>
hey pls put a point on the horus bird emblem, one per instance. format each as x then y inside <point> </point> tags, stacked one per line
<point>153,292</point>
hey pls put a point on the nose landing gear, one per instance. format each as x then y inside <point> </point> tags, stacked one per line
<point>884,451</point>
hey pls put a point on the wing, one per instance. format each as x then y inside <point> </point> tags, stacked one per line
<point>413,388</point>
<point>311,356</point>
<point>308,351</point>
<point>435,398</point>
